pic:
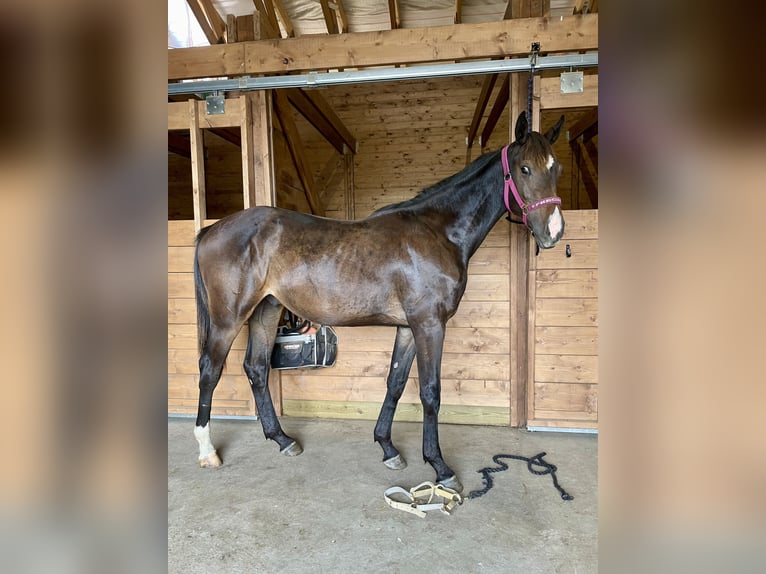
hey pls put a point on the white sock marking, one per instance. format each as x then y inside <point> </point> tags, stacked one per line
<point>202,434</point>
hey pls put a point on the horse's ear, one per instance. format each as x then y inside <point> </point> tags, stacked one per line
<point>521,128</point>
<point>553,134</point>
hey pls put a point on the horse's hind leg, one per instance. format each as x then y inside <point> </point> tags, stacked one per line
<point>263,331</point>
<point>399,370</point>
<point>211,364</point>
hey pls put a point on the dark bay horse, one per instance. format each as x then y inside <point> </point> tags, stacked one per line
<point>405,266</point>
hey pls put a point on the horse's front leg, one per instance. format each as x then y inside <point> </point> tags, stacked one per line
<point>429,341</point>
<point>401,362</point>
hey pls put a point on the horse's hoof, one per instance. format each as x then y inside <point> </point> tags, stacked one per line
<point>396,463</point>
<point>210,461</point>
<point>453,483</point>
<point>292,449</point>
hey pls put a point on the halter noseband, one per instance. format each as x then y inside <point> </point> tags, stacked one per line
<point>509,184</point>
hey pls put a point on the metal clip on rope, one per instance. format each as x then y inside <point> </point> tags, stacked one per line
<point>420,499</point>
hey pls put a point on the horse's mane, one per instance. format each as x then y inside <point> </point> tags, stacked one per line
<point>464,176</point>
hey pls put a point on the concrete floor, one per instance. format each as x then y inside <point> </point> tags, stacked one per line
<point>323,511</point>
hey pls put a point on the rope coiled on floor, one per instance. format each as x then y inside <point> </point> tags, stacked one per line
<point>537,460</point>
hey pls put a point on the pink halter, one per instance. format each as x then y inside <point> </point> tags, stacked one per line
<point>509,184</point>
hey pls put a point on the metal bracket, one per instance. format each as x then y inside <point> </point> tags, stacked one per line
<point>215,104</point>
<point>571,82</point>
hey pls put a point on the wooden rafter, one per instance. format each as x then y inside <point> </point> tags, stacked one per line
<point>509,38</point>
<point>481,105</point>
<point>329,17</point>
<point>342,15</point>
<point>587,123</point>
<point>179,144</point>
<point>458,11</point>
<point>393,13</point>
<point>297,151</point>
<point>497,110</point>
<point>266,8</point>
<point>580,156</point>
<point>585,7</point>
<point>312,105</point>
<point>284,17</point>
<point>207,28</point>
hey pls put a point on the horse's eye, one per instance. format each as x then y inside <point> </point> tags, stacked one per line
<point>525,170</point>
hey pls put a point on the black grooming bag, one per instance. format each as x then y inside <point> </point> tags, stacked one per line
<point>312,349</point>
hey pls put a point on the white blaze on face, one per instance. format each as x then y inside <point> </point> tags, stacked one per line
<point>202,434</point>
<point>555,222</point>
<point>549,165</point>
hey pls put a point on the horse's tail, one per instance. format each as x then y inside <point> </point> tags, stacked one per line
<point>200,294</point>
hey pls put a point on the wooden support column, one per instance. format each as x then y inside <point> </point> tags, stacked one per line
<point>257,168</point>
<point>519,308</point>
<point>348,156</point>
<point>198,167</point>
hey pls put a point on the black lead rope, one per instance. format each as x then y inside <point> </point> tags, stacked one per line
<point>537,460</point>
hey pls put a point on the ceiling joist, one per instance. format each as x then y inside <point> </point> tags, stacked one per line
<point>329,17</point>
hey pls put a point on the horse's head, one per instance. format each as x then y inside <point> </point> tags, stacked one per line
<point>534,173</point>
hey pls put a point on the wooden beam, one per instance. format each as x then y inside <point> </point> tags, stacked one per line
<point>318,112</point>
<point>342,15</point>
<point>178,115</point>
<point>519,246</point>
<point>393,13</point>
<point>329,17</point>
<point>324,107</point>
<point>197,166</point>
<point>481,105</point>
<point>552,98</point>
<point>219,26</point>
<point>350,186</point>
<point>300,100</point>
<point>297,151</point>
<point>263,170</point>
<point>458,11</point>
<point>579,153</point>
<point>586,122</point>
<point>269,22</point>
<point>179,145</point>
<point>387,47</point>
<point>199,14</point>
<point>284,17</point>
<point>497,110</point>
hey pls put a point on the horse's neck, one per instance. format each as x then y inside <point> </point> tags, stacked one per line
<point>472,209</point>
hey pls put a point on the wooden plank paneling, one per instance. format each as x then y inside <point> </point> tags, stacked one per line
<point>564,374</point>
<point>574,312</point>
<point>566,340</point>
<point>567,283</point>
<point>182,311</point>
<point>584,255</point>
<point>566,368</point>
<point>410,412</point>
<point>566,397</point>
<point>304,385</point>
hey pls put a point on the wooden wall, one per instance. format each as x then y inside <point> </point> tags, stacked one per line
<point>233,395</point>
<point>563,327</point>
